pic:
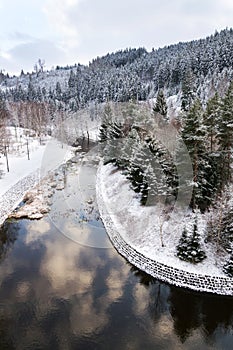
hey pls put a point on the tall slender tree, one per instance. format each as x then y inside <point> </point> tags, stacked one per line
<point>211,120</point>
<point>160,107</point>
<point>225,134</point>
<point>193,134</point>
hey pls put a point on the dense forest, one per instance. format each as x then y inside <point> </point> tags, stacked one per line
<point>131,74</point>
<point>183,91</point>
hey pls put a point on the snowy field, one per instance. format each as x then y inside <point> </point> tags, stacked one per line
<point>144,228</point>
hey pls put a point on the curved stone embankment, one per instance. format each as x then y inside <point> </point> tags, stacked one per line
<point>166,273</point>
<point>11,198</point>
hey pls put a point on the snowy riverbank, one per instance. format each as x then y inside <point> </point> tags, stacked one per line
<point>138,228</point>
<point>25,173</point>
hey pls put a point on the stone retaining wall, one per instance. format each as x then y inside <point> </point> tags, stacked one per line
<point>166,273</point>
<point>11,198</point>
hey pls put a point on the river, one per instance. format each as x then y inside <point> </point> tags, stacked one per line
<point>63,286</point>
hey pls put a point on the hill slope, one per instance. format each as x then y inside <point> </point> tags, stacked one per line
<point>206,64</point>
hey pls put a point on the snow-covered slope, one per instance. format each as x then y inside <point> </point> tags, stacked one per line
<point>144,228</point>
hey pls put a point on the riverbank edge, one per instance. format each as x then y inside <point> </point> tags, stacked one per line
<point>165,273</point>
<point>12,197</point>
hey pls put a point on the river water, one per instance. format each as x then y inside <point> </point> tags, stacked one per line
<point>63,286</point>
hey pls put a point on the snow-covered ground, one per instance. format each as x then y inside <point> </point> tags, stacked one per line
<point>144,227</point>
<point>24,173</point>
<point>19,165</point>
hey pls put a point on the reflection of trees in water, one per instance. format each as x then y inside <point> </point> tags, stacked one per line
<point>8,235</point>
<point>158,290</point>
<point>191,310</point>
<point>5,341</point>
<point>143,277</point>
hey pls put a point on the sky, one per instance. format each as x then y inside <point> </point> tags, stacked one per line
<point>65,32</point>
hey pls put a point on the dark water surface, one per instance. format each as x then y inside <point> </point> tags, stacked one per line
<point>57,292</point>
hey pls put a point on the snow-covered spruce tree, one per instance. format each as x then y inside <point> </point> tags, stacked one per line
<point>133,158</point>
<point>107,117</point>
<point>115,130</point>
<point>189,247</point>
<point>103,132</point>
<point>193,134</point>
<point>225,135</point>
<point>188,90</point>
<point>181,249</point>
<point>144,165</point>
<point>164,174</point>
<point>113,144</point>
<point>211,119</point>
<point>160,107</point>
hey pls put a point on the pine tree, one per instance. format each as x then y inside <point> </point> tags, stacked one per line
<point>161,172</point>
<point>189,247</point>
<point>160,107</point>
<point>112,135</point>
<point>58,91</point>
<point>182,248</point>
<point>193,135</point>
<point>225,134</point>
<point>135,165</point>
<point>115,130</point>
<point>188,94</point>
<point>103,133</point>
<point>31,93</point>
<point>211,120</point>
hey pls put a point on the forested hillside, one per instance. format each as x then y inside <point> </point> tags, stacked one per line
<point>203,66</point>
<point>154,103</point>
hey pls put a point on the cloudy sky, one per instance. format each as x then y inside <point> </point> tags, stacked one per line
<point>70,31</point>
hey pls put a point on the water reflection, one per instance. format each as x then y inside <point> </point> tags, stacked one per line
<point>7,239</point>
<point>57,294</point>
<point>193,310</point>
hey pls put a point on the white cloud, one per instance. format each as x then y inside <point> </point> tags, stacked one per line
<point>24,55</point>
<point>58,15</point>
<point>79,30</point>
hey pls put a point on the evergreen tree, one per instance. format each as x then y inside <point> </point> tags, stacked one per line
<point>160,107</point>
<point>164,173</point>
<point>112,134</point>
<point>115,130</point>
<point>193,134</point>
<point>225,134</point>
<point>31,93</point>
<point>211,120</point>
<point>103,133</point>
<point>189,247</point>
<point>188,94</point>
<point>182,248</point>
<point>58,91</point>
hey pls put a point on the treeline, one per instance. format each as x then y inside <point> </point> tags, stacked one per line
<point>132,74</point>
<point>206,131</point>
<point>140,144</point>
